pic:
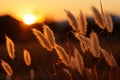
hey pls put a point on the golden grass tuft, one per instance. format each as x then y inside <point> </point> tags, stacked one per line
<point>42,39</point>
<point>49,35</point>
<point>7,68</point>
<point>79,61</point>
<point>109,23</point>
<point>10,47</point>
<point>98,17</point>
<point>82,23</point>
<point>95,45</point>
<point>62,54</point>
<point>27,57</point>
<point>72,20</point>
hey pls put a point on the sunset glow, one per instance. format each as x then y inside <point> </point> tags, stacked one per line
<point>56,10</point>
<point>29,19</point>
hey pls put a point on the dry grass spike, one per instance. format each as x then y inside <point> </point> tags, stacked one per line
<point>72,20</point>
<point>10,47</point>
<point>98,18</point>
<point>42,39</point>
<point>79,61</point>
<point>95,45</point>
<point>109,22</point>
<point>7,68</point>
<point>49,35</point>
<point>62,54</point>
<point>27,57</point>
<point>82,23</point>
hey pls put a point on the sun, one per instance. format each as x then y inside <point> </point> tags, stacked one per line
<point>29,19</point>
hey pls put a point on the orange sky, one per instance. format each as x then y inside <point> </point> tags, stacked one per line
<point>54,8</point>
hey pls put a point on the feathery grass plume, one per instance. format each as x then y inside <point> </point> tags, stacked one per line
<point>62,54</point>
<point>7,68</point>
<point>10,47</point>
<point>109,22</point>
<point>84,42</point>
<point>42,39</point>
<point>32,74</point>
<point>79,60</point>
<point>49,35</point>
<point>95,45</point>
<point>27,57</point>
<point>98,18</point>
<point>82,23</point>
<point>72,20</point>
<point>109,58</point>
<point>102,12</point>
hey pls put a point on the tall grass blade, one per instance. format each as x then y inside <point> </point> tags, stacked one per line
<point>95,45</point>
<point>42,39</point>
<point>10,47</point>
<point>72,20</point>
<point>62,54</point>
<point>27,57</point>
<point>49,35</point>
<point>7,68</point>
<point>98,18</point>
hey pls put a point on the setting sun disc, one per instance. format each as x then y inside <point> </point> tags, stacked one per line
<point>29,19</point>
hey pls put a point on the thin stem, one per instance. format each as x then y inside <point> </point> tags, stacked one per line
<point>55,70</point>
<point>101,32</point>
<point>49,73</point>
<point>99,60</point>
<point>41,72</point>
<point>95,72</point>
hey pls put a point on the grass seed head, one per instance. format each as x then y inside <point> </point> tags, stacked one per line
<point>42,39</point>
<point>72,20</point>
<point>109,22</point>
<point>79,60</point>
<point>27,57</point>
<point>82,23</point>
<point>62,54</point>
<point>95,45</point>
<point>7,68</point>
<point>98,18</point>
<point>10,47</point>
<point>49,35</point>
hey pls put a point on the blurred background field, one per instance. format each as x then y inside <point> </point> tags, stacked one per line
<point>43,60</point>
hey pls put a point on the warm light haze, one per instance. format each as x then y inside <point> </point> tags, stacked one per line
<point>54,8</point>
